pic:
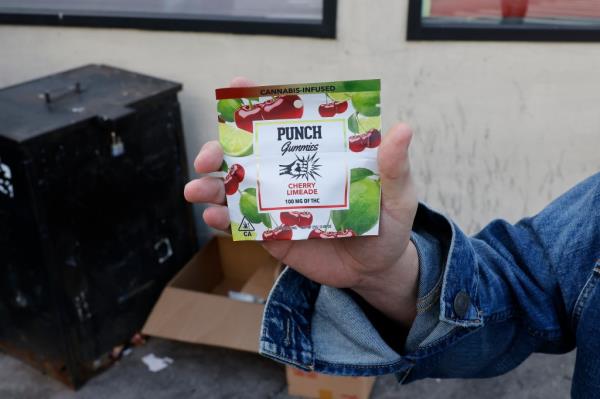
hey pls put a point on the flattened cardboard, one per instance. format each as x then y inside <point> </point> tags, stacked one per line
<point>321,386</point>
<point>194,306</point>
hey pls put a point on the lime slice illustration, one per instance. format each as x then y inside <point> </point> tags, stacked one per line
<point>235,142</point>
<point>339,96</point>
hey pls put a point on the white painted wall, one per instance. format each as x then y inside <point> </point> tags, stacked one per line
<point>501,128</point>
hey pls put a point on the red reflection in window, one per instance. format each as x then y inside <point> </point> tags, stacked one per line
<point>579,9</point>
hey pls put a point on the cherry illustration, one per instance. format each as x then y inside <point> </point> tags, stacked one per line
<point>321,234</point>
<point>238,172</point>
<point>297,104</point>
<point>233,179</point>
<point>341,106</point>
<point>316,233</point>
<point>284,107</point>
<point>231,184</point>
<point>370,139</point>
<point>327,110</point>
<point>327,235</point>
<point>347,233</point>
<point>295,218</point>
<point>247,114</point>
<point>358,142</point>
<point>305,219</point>
<point>374,138</point>
<point>288,218</point>
<point>279,233</point>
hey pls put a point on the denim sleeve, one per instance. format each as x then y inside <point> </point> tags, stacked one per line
<point>507,292</point>
<point>485,303</point>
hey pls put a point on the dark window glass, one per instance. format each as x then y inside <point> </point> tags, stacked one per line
<point>297,17</point>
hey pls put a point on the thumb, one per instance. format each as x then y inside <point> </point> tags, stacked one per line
<point>398,193</point>
<point>241,81</point>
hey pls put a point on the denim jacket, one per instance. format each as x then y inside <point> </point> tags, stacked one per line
<point>485,303</point>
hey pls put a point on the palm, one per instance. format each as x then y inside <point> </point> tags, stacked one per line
<point>342,262</point>
<point>374,267</point>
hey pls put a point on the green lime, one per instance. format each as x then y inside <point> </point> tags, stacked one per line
<point>235,142</point>
<point>364,207</point>
<point>358,124</point>
<point>357,174</point>
<point>227,108</point>
<point>339,96</point>
<point>249,207</point>
<point>367,103</point>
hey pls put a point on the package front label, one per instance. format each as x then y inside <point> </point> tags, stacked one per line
<point>303,166</point>
<point>301,160</point>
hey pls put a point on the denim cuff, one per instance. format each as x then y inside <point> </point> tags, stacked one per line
<point>447,294</point>
<point>327,330</point>
<point>431,268</point>
<point>455,262</point>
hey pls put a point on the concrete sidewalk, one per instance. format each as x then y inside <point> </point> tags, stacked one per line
<point>214,373</point>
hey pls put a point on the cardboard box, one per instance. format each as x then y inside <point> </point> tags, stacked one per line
<point>321,386</point>
<point>195,306</point>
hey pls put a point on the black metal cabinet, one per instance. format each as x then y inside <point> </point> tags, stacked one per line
<point>92,217</point>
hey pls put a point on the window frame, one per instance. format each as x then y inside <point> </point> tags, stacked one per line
<point>449,31</point>
<point>326,28</point>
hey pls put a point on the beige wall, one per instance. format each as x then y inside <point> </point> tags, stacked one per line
<point>501,128</point>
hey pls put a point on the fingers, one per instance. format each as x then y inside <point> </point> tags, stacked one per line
<point>211,189</point>
<point>397,189</point>
<point>393,153</point>
<point>206,189</point>
<point>209,158</point>
<point>240,81</point>
<point>217,217</point>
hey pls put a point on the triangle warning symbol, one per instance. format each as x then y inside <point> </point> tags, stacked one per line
<point>245,225</point>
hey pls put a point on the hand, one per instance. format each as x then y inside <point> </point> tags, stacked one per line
<point>382,269</point>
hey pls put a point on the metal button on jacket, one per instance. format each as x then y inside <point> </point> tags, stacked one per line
<point>461,304</point>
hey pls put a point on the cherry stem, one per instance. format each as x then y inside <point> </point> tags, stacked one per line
<point>273,219</point>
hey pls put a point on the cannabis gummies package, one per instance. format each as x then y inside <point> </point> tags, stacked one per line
<point>301,159</point>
